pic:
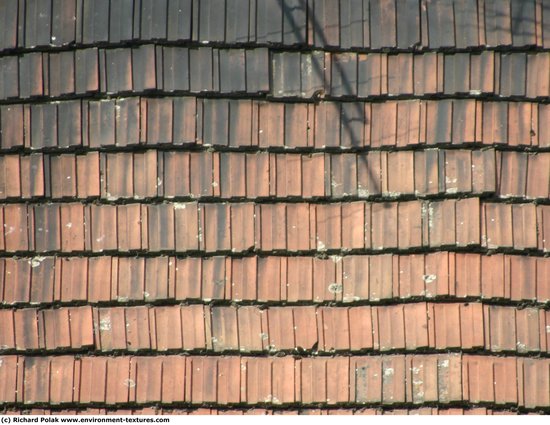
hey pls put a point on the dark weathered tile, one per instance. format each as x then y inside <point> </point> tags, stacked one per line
<point>456,79</point>
<point>344,74</point>
<point>440,21</point>
<point>269,22</point>
<point>352,22</point>
<point>31,75</point>
<point>8,23</point>
<point>153,19</point>
<point>201,69</point>
<point>143,68</point>
<point>94,21</point>
<point>294,21</point>
<point>232,63</point>
<point>512,74</point>
<point>498,23</point>
<point>523,23</point>
<point>120,21</point>
<point>383,27</point>
<point>211,23</point>
<point>86,70</point>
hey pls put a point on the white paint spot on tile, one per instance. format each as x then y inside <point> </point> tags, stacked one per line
<point>36,261</point>
<point>335,288</point>
<point>321,245</point>
<point>429,278</point>
<point>105,324</point>
<point>362,193</point>
<point>130,383</point>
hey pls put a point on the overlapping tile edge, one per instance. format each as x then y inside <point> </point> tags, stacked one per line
<point>350,199</point>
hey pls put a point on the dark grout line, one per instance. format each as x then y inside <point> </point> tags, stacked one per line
<point>438,299</point>
<point>266,96</point>
<point>273,46</point>
<point>325,200</point>
<point>487,197</point>
<point>473,249</point>
<point>331,150</point>
<point>286,407</point>
<point>295,353</point>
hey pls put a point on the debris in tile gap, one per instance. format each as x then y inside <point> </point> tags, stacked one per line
<point>320,245</point>
<point>444,363</point>
<point>521,347</point>
<point>122,299</point>
<point>146,294</point>
<point>35,261</point>
<point>179,206</point>
<point>392,194</point>
<point>105,324</point>
<point>263,336</point>
<point>388,372</point>
<point>429,278</point>
<point>214,184</point>
<point>475,92</point>
<point>335,288</point>
<point>159,181</point>
<point>362,193</point>
<point>336,258</point>
<point>130,383</point>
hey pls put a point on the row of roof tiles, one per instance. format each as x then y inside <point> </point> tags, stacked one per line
<point>226,175</point>
<point>294,227</point>
<point>322,23</point>
<point>388,380</point>
<point>279,74</point>
<point>273,279</point>
<point>256,329</point>
<point>262,411</point>
<point>248,123</point>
